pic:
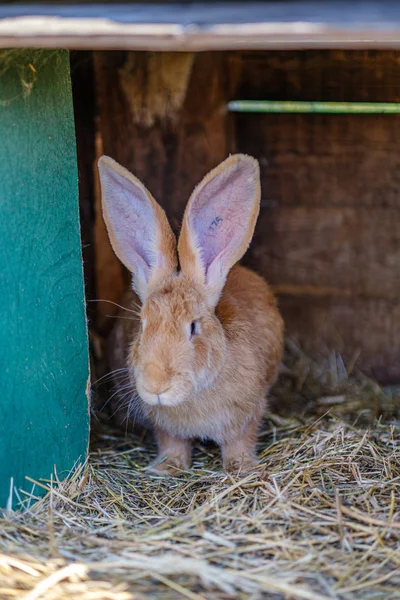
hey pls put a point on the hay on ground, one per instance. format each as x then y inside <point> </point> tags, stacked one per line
<point>319,518</point>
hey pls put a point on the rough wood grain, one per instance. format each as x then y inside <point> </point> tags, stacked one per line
<point>110,275</point>
<point>333,251</point>
<point>327,236</point>
<point>341,160</point>
<point>43,342</point>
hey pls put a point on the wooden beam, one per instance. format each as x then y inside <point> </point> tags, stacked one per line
<point>44,372</point>
<point>197,26</point>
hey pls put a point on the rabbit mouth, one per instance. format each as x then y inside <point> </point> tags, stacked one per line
<point>167,397</point>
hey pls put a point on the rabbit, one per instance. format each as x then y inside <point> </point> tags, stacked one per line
<point>204,345</point>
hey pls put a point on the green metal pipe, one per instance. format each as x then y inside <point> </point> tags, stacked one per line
<point>346,108</point>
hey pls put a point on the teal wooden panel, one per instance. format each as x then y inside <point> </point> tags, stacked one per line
<point>44,419</point>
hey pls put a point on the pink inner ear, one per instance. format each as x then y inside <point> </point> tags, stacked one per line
<point>132,220</point>
<point>220,212</point>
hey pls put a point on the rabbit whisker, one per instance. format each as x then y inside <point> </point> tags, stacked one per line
<point>114,303</point>
<point>137,318</point>
<point>109,375</point>
<point>111,397</point>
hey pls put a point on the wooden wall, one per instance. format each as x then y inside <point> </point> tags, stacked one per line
<point>328,237</point>
<point>329,234</point>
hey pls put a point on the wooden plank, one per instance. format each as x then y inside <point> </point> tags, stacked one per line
<point>320,160</point>
<point>202,25</point>
<point>327,237</point>
<point>327,160</point>
<point>355,327</point>
<point>110,275</point>
<point>331,251</point>
<point>43,342</point>
<point>171,154</point>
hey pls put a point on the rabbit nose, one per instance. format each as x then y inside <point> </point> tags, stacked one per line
<point>156,379</point>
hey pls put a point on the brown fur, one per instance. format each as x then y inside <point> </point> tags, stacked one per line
<point>213,386</point>
<point>229,412</point>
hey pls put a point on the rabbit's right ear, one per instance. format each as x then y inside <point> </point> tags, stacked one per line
<point>219,221</point>
<point>137,226</point>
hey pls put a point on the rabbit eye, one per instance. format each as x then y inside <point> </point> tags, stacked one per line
<point>194,328</point>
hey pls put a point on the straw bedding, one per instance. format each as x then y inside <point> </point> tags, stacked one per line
<point>318,519</point>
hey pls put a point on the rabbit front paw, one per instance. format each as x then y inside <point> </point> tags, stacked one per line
<point>240,464</point>
<point>172,466</point>
<point>174,454</point>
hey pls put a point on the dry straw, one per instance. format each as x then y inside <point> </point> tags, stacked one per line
<point>318,519</point>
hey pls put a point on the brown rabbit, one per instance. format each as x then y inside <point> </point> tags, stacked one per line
<point>205,346</point>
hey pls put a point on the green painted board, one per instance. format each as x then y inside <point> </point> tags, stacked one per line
<point>44,417</point>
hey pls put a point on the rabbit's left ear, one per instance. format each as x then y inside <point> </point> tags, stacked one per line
<point>137,226</point>
<point>219,222</point>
